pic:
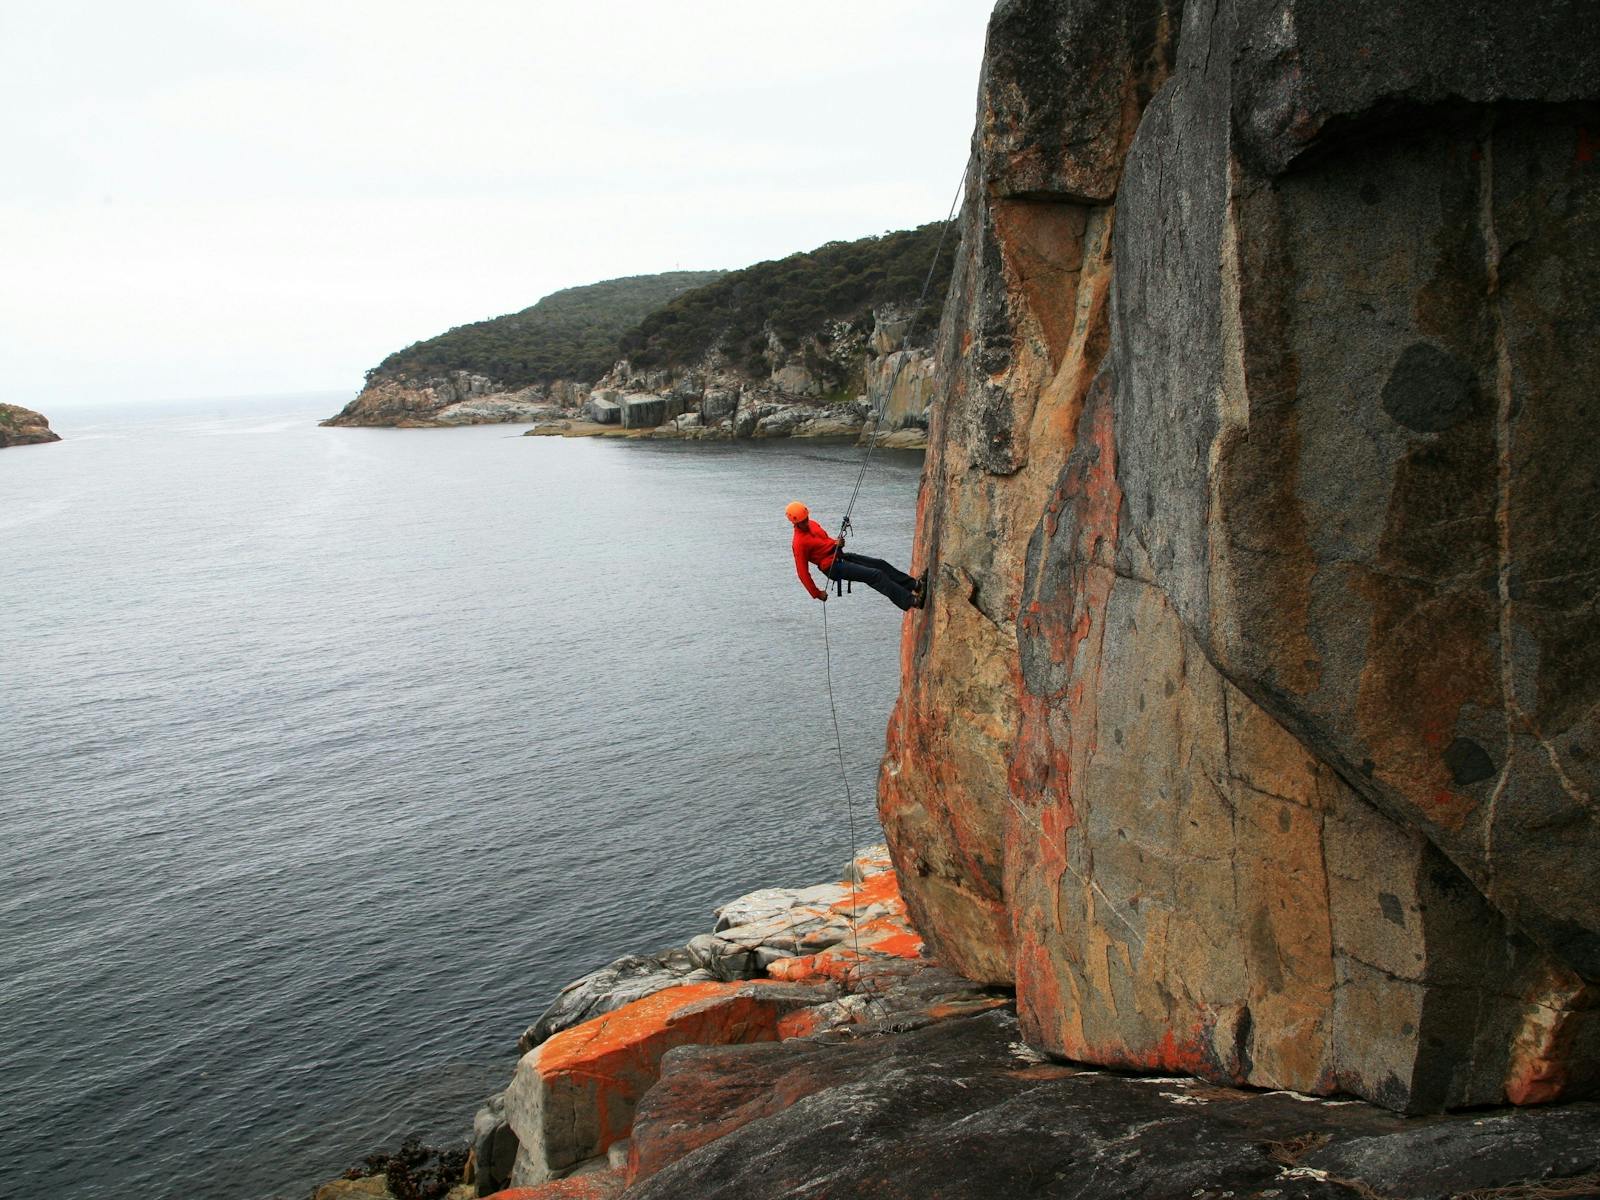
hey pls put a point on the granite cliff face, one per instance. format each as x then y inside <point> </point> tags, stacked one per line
<point>876,385</point>
<point>1251,730</point>
<point>23,427</point>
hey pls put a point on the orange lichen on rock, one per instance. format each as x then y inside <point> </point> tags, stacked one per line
<point>794,970</point>
<point>575,1094</point>
<point>803,1022</point>
<point>887,935</point>
<point>1171,1055</point>
<point>600,1185</point>
<point>882,888</point>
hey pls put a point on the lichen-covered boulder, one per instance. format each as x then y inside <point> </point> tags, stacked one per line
<point>621,981</point>
<point>575,1094</point>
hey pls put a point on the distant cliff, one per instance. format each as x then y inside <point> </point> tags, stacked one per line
<point>1253,727</point>
<point>24,427</point>
<point>495,370</point>
<point>824,342</point>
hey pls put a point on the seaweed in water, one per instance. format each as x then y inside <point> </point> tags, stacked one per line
<point>415,1171</point>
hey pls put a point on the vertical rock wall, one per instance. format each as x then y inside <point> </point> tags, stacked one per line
<point>1251,728</point>
<point>1025,326</point>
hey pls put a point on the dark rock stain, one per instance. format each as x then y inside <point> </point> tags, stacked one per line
<point>1429,390</point>
<point>1468,762</point>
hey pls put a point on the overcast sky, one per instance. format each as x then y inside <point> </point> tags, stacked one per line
<point>251,196</point>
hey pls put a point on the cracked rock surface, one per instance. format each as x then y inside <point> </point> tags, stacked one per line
<point>1253,725</point>
<point>961,1109</point>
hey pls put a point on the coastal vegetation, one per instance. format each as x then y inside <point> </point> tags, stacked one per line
<point>798,297</point>
<point>824,295</point>
<point>570,334</point>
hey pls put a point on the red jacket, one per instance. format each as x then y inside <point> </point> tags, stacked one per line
<point>812,545</point>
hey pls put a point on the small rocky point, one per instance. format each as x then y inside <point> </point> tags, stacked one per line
<point>23,427</point>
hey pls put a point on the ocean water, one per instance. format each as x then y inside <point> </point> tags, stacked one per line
<point>328,755</point>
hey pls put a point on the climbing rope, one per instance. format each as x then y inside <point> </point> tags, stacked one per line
<point>849,802</point>
<point>905,344</point>
<point>827,646</point>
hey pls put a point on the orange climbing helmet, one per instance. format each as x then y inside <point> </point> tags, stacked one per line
<point>796,512</point>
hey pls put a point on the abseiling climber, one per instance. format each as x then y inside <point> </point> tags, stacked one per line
<point>813,547</point>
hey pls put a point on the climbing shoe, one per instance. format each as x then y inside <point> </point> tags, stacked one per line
<point>919,593</point>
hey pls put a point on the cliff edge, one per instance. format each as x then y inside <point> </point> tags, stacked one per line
<point>1252,729</point>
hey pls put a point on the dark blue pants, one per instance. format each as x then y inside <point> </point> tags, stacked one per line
<point>876,574</point>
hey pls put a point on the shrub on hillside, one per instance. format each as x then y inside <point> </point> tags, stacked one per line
<point>796,298</point>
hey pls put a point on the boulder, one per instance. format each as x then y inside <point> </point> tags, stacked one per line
<point>376,1187</point>
<point>780,904</point>
<point>723,959</point>
<point>494,1146</point>
<point>718,404</point>
<point>1025,327</point>
<point>619,982</point>
<point>574,1094</point>
<point>746,420</point>
<point>832,424</point>
<point>643,411</point>
<point>455,398</point>
<point>372,1187</point>
<point>794,380</point>
<point>568,393</point>
<point>889,326</point>
<point>783,420</point>
<point>529,405</point>
<point>1252,728</point>
<point>604,409</point>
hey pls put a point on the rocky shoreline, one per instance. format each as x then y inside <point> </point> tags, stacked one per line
<point>808,1046</point>
<point>23,427</point>
<point>889,399</point>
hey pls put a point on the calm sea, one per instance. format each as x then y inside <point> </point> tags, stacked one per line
<point>328,755</point>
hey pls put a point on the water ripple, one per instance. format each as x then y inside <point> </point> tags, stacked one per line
<point>333,753</point>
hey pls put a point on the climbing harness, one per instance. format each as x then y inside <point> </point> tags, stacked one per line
<point>827,646</point>
<point>840,586</point>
